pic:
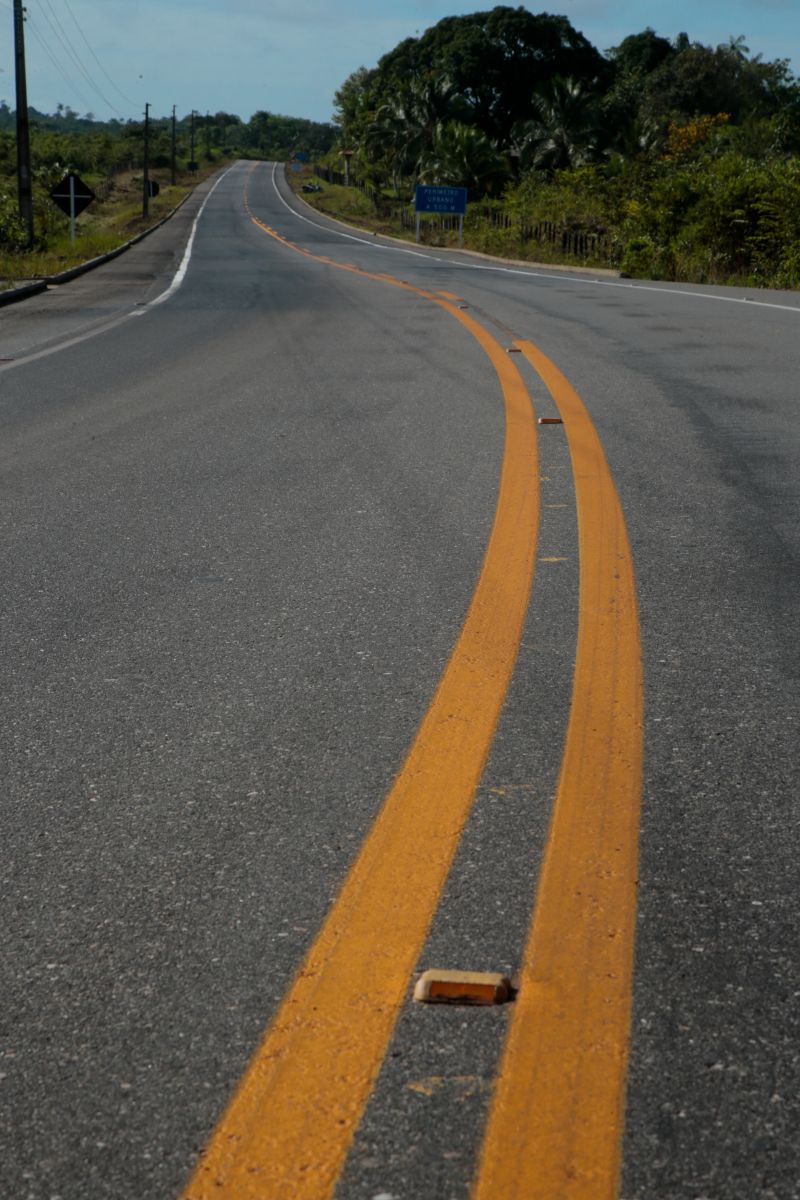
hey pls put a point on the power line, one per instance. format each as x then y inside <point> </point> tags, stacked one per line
<point>69,82</point>
<point>74,90</point>
<point>67,43</point>
<point>119,90</point>
<point>56,60</point>
<point>62,37</point>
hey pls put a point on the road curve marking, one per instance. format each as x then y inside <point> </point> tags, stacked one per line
<point>288,1128</point>
<point>550,275</point>
<point>555,1124</point>
<point>180,274</point>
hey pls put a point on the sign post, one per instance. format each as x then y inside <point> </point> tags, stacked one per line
<point>440,199</point>
<point>72,208</point>
<point>72,196</point>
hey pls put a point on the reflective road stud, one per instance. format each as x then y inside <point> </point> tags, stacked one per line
<point>462,987</point>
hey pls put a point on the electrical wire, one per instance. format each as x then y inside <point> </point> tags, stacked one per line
<point>62,37</point>
<point>67,43</point>
<point>69,82</point>
<point>117,89</point>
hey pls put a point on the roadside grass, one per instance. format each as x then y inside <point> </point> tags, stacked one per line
<point>481,235</point>
<point>353,207</point>
<point>344,203</point>
<point>104,226</point>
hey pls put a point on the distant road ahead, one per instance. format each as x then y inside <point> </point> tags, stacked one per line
<point>325,663</point>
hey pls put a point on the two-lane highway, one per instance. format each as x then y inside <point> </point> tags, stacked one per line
<point>325,663</point>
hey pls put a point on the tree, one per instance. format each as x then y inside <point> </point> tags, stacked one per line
<point>698,80</point>
<point>493,60</point>
<point>389,141</point>
<point>640,53</point>
<point>354,105</point>
<point>405,129</point>
<point>274,136</point>
<point>565,130</point>
<point>463,156</point>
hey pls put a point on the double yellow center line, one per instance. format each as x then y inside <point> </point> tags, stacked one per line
<point>555,1126</point>
<point>287,1130</point>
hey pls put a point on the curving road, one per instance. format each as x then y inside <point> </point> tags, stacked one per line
<point>324,662</point>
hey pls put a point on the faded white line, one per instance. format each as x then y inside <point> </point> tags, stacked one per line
<point>73,341</point>
<point>120,320</point>
<point>350,236</point>
<point>549,276</point>
<point>180,274</point>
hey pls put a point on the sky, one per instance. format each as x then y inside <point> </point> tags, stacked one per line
<point>108,57</point>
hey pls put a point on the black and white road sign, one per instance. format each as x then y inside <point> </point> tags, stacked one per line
<point>72,195</point>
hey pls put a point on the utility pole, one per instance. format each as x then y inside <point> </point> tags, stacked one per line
<point>173,146</point>
<point>24,175</point>
<point>208,135</point>
<point>193,166</point>
<point>146,165</point>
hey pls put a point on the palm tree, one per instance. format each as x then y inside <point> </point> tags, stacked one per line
<point>566,127</point>
<point>405,128</point>
<point>387,139</point>
<point>464,156</point>
<point>636,138</point>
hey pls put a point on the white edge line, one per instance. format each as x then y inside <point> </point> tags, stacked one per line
<point>75,340</point>
<point>180,274</point>
<point>136,312</point>
<point>548,275</point>
<point>350,237</point>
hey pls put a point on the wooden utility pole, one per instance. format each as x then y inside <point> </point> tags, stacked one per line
<point>24,174</point>
<point>146,165</point>
<point>208,134</point>
<point>193,166</point>
<point>173,146</point>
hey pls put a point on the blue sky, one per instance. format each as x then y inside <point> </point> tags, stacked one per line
<point>289,56</point>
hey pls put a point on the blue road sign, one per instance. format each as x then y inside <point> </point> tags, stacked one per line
<point>440,199</point>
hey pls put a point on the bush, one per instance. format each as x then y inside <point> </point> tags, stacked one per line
<point>638,259</point>
<point>12,230</point>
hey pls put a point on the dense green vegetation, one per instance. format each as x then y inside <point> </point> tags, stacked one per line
<point>101,151</point>
<point>673,159</point>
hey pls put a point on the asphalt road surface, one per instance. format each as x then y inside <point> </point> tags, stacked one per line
<point>324,662</point>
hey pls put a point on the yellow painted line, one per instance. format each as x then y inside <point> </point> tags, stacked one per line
<point>555,1125</point>
<point>287,1129</point>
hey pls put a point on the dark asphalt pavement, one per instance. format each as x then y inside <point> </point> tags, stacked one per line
<point>240,532</point>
